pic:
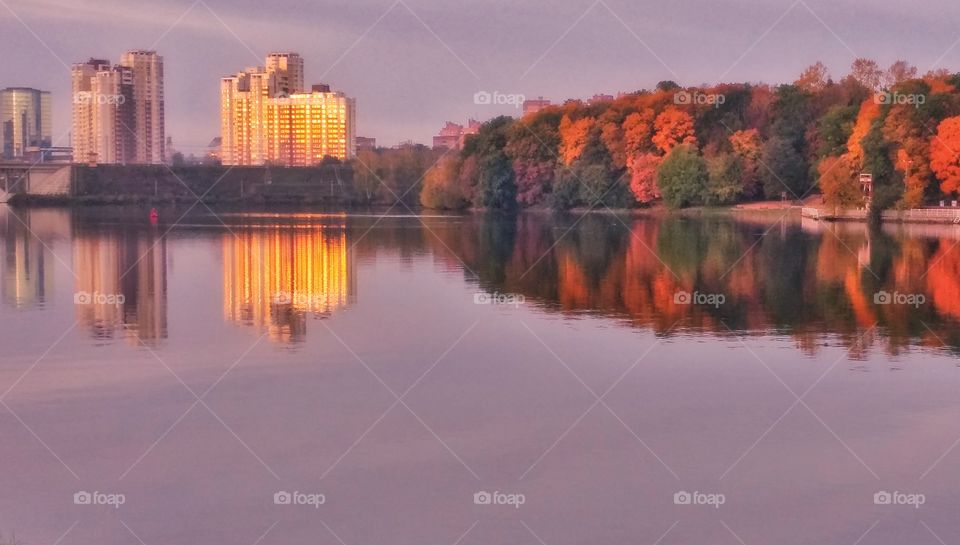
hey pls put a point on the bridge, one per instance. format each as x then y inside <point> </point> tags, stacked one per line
<point>34,179</point>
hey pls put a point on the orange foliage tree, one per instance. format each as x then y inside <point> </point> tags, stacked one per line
<point>573,137</point>
<point>673,127</point>
<point>643,177</point>
<point>945,154</point>
<point>838,182</point>
<point>747,146</point>
<point>869,111</point>
<point>906,129</point>
<point>612,137</point>
<point>637,131</point>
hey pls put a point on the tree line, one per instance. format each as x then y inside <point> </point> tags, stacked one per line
<point>721,144</point>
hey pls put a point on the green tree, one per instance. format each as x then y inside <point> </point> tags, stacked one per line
<point>682,177</point>
<point>498,188</point>
<point>834,129</point>
<point>495,183</point>
<point>724,185</point>
<point>782,169</point>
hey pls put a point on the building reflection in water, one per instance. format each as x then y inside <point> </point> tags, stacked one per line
<point>275,277</point>
<point>121,287</point>
<point>28,260</point>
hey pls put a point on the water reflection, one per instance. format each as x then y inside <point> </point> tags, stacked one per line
<point>121,283</point>
<point>274,277</point>
<point>817,283</point>
<point>28,261</point>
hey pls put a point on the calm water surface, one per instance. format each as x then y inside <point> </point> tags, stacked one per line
<point>399,365</point>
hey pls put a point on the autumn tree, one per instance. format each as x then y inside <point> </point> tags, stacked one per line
<point>867,72</point>
<point>944,155</point>
<point>673,127</point>
<point>814,78</point>
<point>907,127</point>
<point>441,186</point>
<point>638,131</point>
<point>839,183</point>
<point>612,136</point>
<point>574,136</point>
<point>533,146</point>
<point>643,177</point>
<point>747,147</point>
<point>899,72</point>
<point>869,110</point>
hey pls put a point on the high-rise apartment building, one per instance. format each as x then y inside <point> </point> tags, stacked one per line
<point>288,68</point>
<point>118,111</point>
<point>146,69</point>
<point>25,121</point>
<point>267,117</point>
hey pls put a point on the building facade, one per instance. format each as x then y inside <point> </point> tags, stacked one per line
<point>25,121</point>
<point>534,105</point>
<point>453,135</point>
<point>365,143</point>
<point>119,111</point>
<point>267,117</point>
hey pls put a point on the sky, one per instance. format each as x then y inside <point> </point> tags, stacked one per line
<point>414,64</point>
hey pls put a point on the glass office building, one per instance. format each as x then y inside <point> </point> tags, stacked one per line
<point>25,121</point>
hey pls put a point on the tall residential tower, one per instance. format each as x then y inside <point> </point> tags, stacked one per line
<point>267,117</point>
<point>118,111</point>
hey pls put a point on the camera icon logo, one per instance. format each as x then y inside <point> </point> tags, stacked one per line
<point>82,298</point>
<point>282,298</point>
<point>682,298</point>
<point>682,97</point>
<point>882,498</point>
<point>282,498</point>
<point>482,98</point>
<point>482,498</point>
<point>883,98</point>
<point>481,298</point>
<point>882,298</point>
<point>82,498</point>
<point>682,498</point>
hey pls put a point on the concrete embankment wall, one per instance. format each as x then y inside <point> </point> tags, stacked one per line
<point>328,184</point>
<point>919,215</point>
<point>332,184</point>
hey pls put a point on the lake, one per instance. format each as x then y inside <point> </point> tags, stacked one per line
<point>347,379</point>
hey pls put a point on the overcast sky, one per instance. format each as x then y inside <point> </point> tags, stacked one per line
<point>413,64</point>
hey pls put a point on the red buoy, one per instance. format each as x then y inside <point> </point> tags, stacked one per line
<point>154,216</point>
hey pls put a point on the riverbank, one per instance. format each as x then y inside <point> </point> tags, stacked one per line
<point>942,216</point>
